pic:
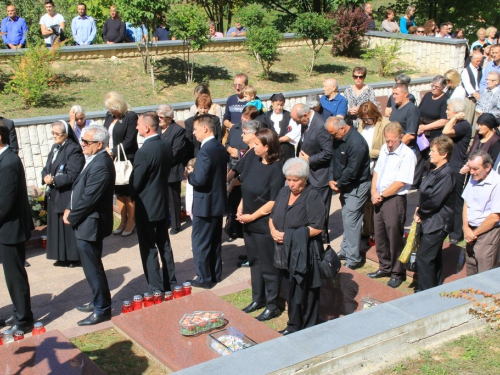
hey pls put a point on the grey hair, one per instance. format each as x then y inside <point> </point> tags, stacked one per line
<point>302,109</point>
<point>100,134</point>
<point>457,105</point>
<point>296,167</point>
<point>61,126</point>
<point>440,80</point>
<point>495,73</point>
<point>403,87</point>
<point>403,78</point>
<point>252,125</point>
<point>165,109</point>
<point>487,160</point>
<point>335,121</point>
<point>77,109</point>
<point>312,101</point>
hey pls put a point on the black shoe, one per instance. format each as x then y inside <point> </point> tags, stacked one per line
<point>394,283</point>
<point>268,314</point>
<point>94,319</point>
<point>86,308</point>
<point>453,241</point>
<point>243,264</point>
<point>243,257</point>
<point>26,264</point>
<point>378,274</point>
<point>60,263</point>
<point>341,256</point>
<point>7,322</point>
<point>174,231</point>
<point>253,307</point>
<point>354,266</point>
<point>75,264</point>
<point>196,284</point>
<point>26,328</point>
<point>285,332</point>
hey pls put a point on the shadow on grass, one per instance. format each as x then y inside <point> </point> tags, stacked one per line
<point>56,100</point>
<point>4,79</point>
<point>331,68</point>
<point>283,77</point>
<point>67,79</point>
<point>171,72</point>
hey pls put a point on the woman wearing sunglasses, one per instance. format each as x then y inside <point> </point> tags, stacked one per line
<point>358,94</point>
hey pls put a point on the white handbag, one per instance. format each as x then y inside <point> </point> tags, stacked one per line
<point>123,168</point>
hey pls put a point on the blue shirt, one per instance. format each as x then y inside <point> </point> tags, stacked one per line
<point>16,31</point>
<point>134,34</point>
<point>486,70</point>
<point>83,30</point>
<point>235,30</point>
<point>162,33</point>
<point>336,106</point>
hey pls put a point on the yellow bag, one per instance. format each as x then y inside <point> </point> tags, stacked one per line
<point>412,243</point>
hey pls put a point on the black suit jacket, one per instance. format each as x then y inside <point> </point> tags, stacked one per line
<point>192,144</point>
<point>12,134</point>
<point>209,180</point>
<point>149,179</point>
<point>16,222</point>
<point>176,136</point>
<point>317,143</point>
<point>124,132</point>
<point>92,199</point>
<point>65,169</point>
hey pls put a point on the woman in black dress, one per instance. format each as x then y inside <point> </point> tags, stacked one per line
<point>121,123</point>
<point>235,144</point>
<point>287,129</point>
<point>64,163</point>
<point>261,181</point>
<point>299,211</point>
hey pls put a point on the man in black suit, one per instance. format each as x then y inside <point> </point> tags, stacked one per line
<point>148,188</point>
<point>209,203</point>
<point>12,133</point>
<point>315,147</point>
<point>90,213</point>
<point>16,225</point>
<point>175,134</point>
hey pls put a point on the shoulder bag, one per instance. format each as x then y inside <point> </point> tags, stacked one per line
<point>123,167</point>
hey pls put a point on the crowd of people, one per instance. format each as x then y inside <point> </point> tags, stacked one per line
<point>273,173</point>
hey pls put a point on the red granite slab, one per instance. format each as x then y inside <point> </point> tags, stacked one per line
<point>343,296</point>
<point>50,353</point>
<point>156,329</point>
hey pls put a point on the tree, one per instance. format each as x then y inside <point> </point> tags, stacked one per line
<point>349,29</point>
<point>264,42</point>
<point>316,29</point>
<point>252,17</point>
<point>189,24</point>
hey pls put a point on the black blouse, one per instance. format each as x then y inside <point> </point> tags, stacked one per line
<point>433,110</point>
<point>124,132</point>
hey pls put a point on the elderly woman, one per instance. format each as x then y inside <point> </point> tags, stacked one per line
<point>215,109</point>
<point>481,39</point>
<point>388,24</point>
<point>371,127</point>
<point>460,131</point>
<point>489,101</point>
<point>313,102</point>
<point>358,94</point>
<point>261,181</point>
<point>213,31</point>
<point>235,145</point>
<point>287,129</point>
<point>64,163</point>
<point>407,20</point>
<point>435,214</point>
<point>121,123</point>
<point>77,120</point>
<point>490,35</point>
<point>455,90</point>
<point>299,214</point>
<point>176,135</point>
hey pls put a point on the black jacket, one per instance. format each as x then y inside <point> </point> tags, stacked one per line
<point>192,144</point>
<point>12,134</point>
<point>65,169</point>
<point>176,136</point>
<point>91,204</point>
<point>124,132</point>
<point>149,179</point>
<point>16,222</point>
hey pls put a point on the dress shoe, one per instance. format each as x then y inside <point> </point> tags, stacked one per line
<point>26,328</point>
<point>378,274</point>
<point>197,284</point>
<point>118,231</point>
<point>394,283</point>
<point>94,319</point>
<point>74,264</point>
<point>60,263</point>
<point>268,314</point>
<point>126,233</point>
<point>26,264</point>
<point>86,308</point>
<point>243,264</point>
<point>354,266</point>
<point>285,332</point>
<point>253,307</point>
<point>174,231</point>
<point>7,322</point>
<point>341,256</point>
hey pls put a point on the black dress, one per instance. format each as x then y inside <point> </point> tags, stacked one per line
<point>192,144</point>
<point>61,240</point>
<point>125,133</point>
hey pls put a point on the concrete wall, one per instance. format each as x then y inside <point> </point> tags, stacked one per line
<point>35,136</point>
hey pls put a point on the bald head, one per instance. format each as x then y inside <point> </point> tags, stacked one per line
<point>330,87</point>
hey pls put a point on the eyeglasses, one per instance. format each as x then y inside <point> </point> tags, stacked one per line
<point>86,143</point>
<point>164,117</point>
<point>367,120</point>
<point>487,79</point>
<point>436,87</point>
<point>421,31</point>
<point>358,77</point>
<point>245,133</point>
<point>57,134</point>
<point>236,85</point>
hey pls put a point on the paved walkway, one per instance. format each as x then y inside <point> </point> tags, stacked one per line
<point>57,291</point>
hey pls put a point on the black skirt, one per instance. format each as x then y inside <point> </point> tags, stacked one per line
<point>122,190</point>
<point>61,240</point>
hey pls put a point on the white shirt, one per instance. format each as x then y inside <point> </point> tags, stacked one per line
<point>466,80</point>
<point>459,93</point>
<point>49,21</point>
<point>293,129</point>
<point>367,133</point>
<point>4,149</point>
<point>206,140</point>
<point>110,132</point>
<point>482,198</point>
<point>395,166</point>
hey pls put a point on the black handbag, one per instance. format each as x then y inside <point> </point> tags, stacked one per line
<point>329,263</point>
<point>233,228</point>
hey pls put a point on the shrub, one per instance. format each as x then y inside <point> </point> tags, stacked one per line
<point>33,74</point>
<point>387,57</point>
<point>263,43</point>
<point>348,31</point>
<point>252,15</point>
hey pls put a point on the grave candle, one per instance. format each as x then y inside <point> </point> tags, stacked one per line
<point>157,298</point>
<point>169,296</point>
<point>148,300</point>
<point>127,307</point>
<point>18,335</point>
<point>38,329</point>
<point>178,293</point>
<point>137,302</point>
<point>186,288</point>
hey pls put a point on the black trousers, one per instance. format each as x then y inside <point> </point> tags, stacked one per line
<point>326,194</point>
<point>457,233</point>
<point>422,156</point>
<point>300,315</point>
<point>90,255</point>
<point>265,277</point>
<point>17,282</point>
<point>174,202</point>
<point>154,243</point>
<point>206,238</point>
<point>430,260</point>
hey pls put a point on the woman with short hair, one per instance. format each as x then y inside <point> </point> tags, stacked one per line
<point>215,109</point>
<point>77,120</point>
<point>283,124</point>
<point>491,34</point>
<point>455,90</point>
<point>388,24</point>
<point>358,94</point>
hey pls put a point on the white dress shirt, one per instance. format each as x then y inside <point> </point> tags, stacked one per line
<point>466,80</point>
<point>395,166</point>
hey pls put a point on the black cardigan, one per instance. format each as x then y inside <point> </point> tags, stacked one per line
<point>124,132</point>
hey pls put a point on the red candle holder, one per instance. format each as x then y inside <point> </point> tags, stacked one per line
<point>38,329</point>
<point>169,296</point>
<point>371,241</point>
<point>44,242</point>
<point>148,300</point>
<point>127,307</point>
<point>137,304</point>
<point>186,288</point>
<point>157,297</point>
<point>178,293</point>
<point>18,335</point>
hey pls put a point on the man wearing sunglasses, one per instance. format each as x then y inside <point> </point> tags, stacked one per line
<point>235,103</point>
<point>90,213</point>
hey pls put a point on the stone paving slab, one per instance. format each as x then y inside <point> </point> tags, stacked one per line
<point>49,353</point>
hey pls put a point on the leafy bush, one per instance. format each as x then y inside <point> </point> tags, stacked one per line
<point>253,15</point>
<point>264,42</point>
<point>387,56</point>
<point>316,29</point>
<point>348,31</point>
<point>33,74</point>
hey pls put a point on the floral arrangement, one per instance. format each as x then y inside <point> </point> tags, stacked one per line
<point>36,199</point>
